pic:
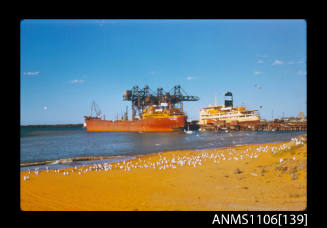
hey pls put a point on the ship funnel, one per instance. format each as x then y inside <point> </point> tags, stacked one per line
<point>127,95</point>
<point>228,99</point>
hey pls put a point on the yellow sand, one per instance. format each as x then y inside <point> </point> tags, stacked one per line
<point>263,182</point>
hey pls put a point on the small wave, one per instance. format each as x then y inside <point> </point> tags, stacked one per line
<point>240,144</point>
<point>70,160</point>
<point>54,162</point>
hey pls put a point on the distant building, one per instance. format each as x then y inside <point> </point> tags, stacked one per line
<point>300,118</point>
<point>301,115</point>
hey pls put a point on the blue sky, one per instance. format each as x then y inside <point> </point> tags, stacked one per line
<point>66,64</point>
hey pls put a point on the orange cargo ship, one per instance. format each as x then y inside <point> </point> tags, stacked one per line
<point>152,123</point>
<point>157,113</point>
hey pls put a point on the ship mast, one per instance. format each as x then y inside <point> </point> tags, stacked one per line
<point>95,108</point>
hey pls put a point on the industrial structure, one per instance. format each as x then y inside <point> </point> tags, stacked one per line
<point>162,111</point>
<point>144,98</point>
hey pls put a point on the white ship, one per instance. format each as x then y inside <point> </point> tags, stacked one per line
<point>227,114</point>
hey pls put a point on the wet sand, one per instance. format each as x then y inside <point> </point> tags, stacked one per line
<point>248,177</point>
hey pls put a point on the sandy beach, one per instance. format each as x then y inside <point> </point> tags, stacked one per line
<point>247,177</point>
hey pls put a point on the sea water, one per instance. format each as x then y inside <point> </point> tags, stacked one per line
<point>59,146</point>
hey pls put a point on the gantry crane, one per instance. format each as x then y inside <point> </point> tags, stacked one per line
<point>142,98</point>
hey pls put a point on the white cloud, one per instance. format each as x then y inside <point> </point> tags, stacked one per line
<point>300,72</point>
<point>190,78</point>
<point>295,62</point>
<point>260,61</point>
<point>101,23</point>
<point>152,72</point>
<point>76,81</point>
<point>32,73</point>
<point>257,72</point>
<point>263,56</point>
<point>257,86</point>
<point>277,62</point>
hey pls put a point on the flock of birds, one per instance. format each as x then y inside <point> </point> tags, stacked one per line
<point>298,141</point>
<point>174,161</point>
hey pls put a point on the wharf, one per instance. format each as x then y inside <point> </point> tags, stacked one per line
<point>275,125</point>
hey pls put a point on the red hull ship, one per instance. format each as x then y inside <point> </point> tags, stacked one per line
<point>157,112</point>
<point>147,125</point>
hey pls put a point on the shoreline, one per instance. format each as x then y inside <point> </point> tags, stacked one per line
<point>270,176</point>
<point>97,159</point>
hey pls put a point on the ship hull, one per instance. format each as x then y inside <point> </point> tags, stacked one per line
<point>145,125</point>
